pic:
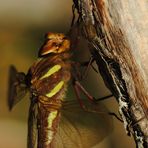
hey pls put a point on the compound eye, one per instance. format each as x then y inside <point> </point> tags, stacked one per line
<point>55,43</point>
<point>48,47</point>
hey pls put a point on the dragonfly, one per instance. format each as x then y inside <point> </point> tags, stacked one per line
<point>54,122</point>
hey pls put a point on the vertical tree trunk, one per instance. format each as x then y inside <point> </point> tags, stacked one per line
<point>116,32</point>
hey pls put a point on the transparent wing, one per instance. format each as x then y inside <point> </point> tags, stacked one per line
<point>16,87</point>
<point>82,129</point>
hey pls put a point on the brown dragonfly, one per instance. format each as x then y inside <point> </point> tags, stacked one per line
<point>54,122</point>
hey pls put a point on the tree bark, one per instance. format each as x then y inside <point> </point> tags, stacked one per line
<point>116,32</point>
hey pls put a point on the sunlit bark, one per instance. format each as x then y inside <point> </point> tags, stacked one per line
<point>116,32</point>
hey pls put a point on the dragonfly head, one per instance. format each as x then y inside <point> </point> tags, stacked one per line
<point>55,43</point>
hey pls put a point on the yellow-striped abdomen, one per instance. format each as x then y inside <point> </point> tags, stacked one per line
<point>51,117</point>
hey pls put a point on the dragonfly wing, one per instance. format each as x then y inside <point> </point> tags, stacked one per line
<point>17,89</point>
<point>32,126</point>
<point>83,129</point>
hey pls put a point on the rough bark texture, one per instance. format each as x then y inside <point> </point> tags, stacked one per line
<point>116,32</point>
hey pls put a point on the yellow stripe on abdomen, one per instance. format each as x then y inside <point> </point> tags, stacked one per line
<point>51,71</point>
<point>51,117</point>
<point>55,90</point>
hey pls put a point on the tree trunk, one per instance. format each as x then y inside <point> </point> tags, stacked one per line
<point>117,35</point>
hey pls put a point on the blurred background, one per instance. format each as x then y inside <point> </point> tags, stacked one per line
<point>22,28</point>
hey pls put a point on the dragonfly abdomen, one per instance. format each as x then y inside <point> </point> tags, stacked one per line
<point>47,126</point>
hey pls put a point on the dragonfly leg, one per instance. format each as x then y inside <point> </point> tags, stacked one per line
<point>103,98</point>
<point>132,124</point>
<point>77,92</point>
<point>78,87</point>
<point>87,64</point>
<point>115,115</point>
<point>110,113</point>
